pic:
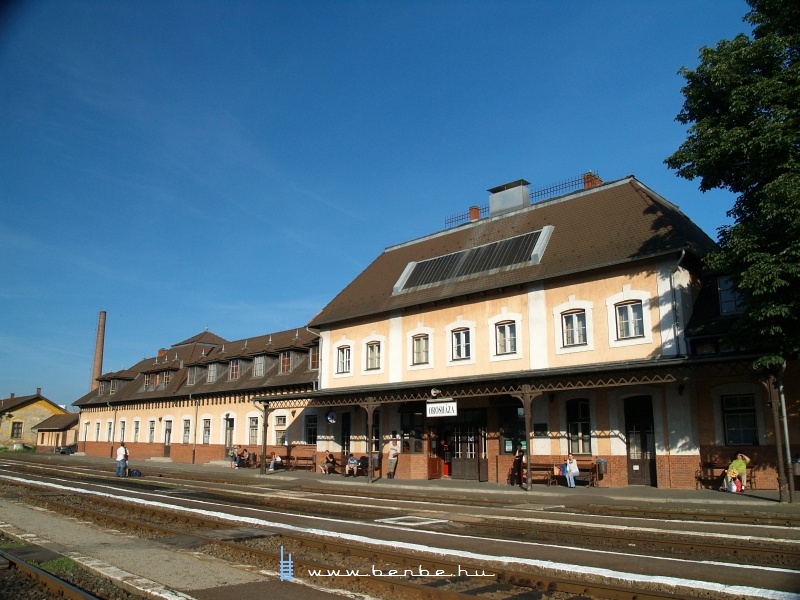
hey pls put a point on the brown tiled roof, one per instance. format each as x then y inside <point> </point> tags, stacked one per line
<point>8,404</point>
<point>58,422</point>
<point>181,356</point>
<point>614,223</point>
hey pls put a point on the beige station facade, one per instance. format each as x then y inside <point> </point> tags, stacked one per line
<point>583,323</point>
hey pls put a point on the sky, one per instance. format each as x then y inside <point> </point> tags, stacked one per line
<point>233,165</point>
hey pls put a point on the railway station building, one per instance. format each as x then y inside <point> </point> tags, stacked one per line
<point>583,323</point>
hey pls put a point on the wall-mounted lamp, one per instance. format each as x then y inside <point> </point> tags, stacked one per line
<point>294,412</point>
<point>435,392</point>
<point>160,419</point>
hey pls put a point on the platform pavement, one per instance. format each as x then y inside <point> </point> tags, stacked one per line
<point>762,501</point>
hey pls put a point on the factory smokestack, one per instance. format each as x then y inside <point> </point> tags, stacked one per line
<point>97,367</point>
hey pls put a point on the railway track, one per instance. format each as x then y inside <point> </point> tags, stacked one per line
<point>36,582</point>
<point>315,555</point>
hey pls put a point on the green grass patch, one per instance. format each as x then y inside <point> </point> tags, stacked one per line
<point>59,567</point>
<point>4,543</point>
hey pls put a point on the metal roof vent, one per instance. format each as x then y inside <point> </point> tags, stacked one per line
<point>507,197</point>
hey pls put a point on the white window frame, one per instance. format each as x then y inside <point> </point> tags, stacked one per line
<point>573,324</point>
<point>419,332</point>
<point>493,324</point>
<point>367,344</point>
<point>625,297</point>
<point>572,306</point>
<point>259,365</point>
<point>234,369</point>
<point>452,331</point>
<point>211,373</point>
<point>336,364</point>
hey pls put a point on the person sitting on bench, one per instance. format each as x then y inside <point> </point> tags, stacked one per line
<point>352,466</point>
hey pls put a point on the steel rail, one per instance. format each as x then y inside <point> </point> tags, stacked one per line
<point>56,586</point>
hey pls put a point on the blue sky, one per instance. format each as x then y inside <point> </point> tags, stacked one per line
<point>233,165</point>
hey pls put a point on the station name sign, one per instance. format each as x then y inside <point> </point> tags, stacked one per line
<point>446,407</point>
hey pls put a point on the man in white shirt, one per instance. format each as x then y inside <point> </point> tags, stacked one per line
<point>394,453</point>
<point>122,460</point>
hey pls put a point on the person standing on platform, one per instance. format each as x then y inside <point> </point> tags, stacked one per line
<point>122,460</point>
<point>394,453</point>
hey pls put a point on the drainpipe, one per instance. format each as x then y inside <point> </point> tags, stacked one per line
<point>113,428</point>
<point>194,442</point>
<point>676,315</point>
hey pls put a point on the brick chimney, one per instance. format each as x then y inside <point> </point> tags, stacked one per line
<point>590,180</point>
<point>162,353</point>
<point>38,391</point>
<point>474,213</point>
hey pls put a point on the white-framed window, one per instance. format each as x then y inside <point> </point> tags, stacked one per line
<point>167,378</point>
<point>103,388</point>
<point>373,356</point>
<point>97,432</point>
<point>113,388</point>
<point>151,434</point>
<point>258,365</point>
<point>421,352</point>
<point>148,381</point>
<point>629,320</point>
<point>343,359</point>
<point>505,337</point>
<point>462,348</point>
<point>253,431</point>
<point>109,431</point>
<point>731,301</point>
<point>461,335</point>
<point>187,430</point>
<point>419,348</point>
<point>194,375</point>
<point>233,369</point>
<point>211,374</point>
<point>206,431</point>
<point>136,424</point>
<point>280,430</point>
<point>573,326</point>
<point>122,431</point>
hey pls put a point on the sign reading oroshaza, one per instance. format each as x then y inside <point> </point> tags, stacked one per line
<point>447,407</point>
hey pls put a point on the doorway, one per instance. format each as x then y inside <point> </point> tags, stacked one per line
<point>640,438</point>
<point>463,440</point>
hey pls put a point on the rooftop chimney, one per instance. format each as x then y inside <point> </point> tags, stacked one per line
<point>474,213</point>
<point>590,180</point>
<point>162,353</point>
<point>38,391</point>
<point>13,395</point>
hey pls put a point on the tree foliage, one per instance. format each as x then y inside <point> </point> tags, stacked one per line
<point>742,105</point>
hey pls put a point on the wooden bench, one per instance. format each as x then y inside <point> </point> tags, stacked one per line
<point>303,461</point>
<point>710,474</point>
<point>587,471</point>
<point>543,471</point>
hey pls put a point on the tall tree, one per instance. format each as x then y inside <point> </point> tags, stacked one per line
<point>742,105</point>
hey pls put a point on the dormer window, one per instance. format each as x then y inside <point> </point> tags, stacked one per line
<point>313,358</point>
<point>259,363</point>
<point>113,388</point>
<point>195,374</point>
<point>103,388</point>
<point>148,381</point>
<point>286,361</point>
<point>167,377</point>
<point>233,369</point>
<point>730,299</point>
<point>211,375</point>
